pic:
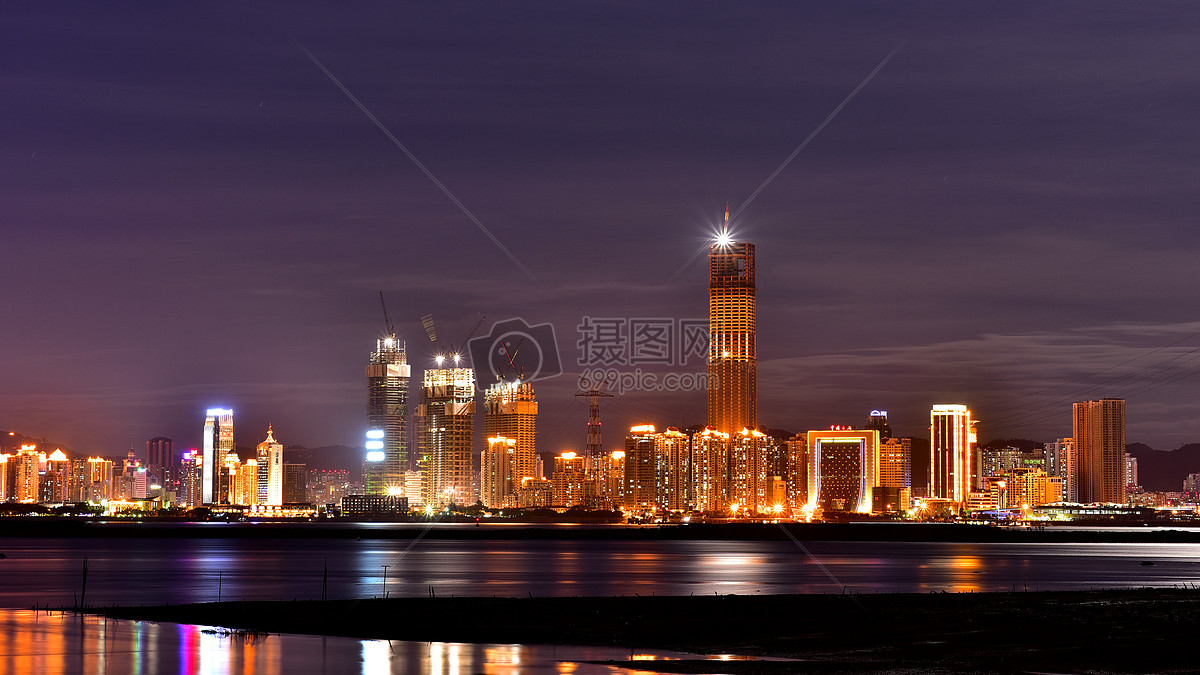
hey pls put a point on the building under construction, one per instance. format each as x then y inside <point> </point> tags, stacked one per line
<point>387,417</point>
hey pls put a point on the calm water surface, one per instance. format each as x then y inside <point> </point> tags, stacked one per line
<point>156,571</point>
<point>56,644</point>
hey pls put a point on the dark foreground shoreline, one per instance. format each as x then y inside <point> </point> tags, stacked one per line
<point>866,531</point>
<point>1147,630</point>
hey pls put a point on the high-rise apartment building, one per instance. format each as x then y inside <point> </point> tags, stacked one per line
<point>190,479</point>
<point>710,471</point>
<point>732,356</point>
<point>952,438</point>
<point>611,481</point>
<point>446,424</point>
<point>510,411</point>
<point>567,479</point>
<point>1061,462</point>
<point>100,479</point>
<point>53,481</point>
<point>672,468</point>
<point>749,472</point>
<point>498,467</point>
<point>1131,474</point>
<point>24,465</point>
<point>387,458</point>
<point>639,468</point>
<point>1099,432</point>
<point>895,463</point>
<point>218,443</point>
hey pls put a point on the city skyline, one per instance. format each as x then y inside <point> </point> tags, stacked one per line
<point>1000,217</point>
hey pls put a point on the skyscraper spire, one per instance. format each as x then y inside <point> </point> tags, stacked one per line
<point>725,227</point>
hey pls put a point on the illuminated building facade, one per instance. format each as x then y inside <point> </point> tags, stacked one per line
<point>1099,432</point>
<point>535,493</point>
<point>190,479</point>
<point>262,455</point>
<point>218,442</point>
<point>710,471</point>
<point>1131,474</point>
<point>878,420</point>
<point>895,463</point>
<point>1061,462</point>
<point>612,481</point>
<point>269,457</point>
<point>510,411</point>
<point>842,468</point>
<point>5,475</point>
<point>894,490</point>
<point>640,468</point>
<point>387,458</point>
<point>77,481</point>
<point>53,483</point>
<point>295,483</point>
<point>567,479</point>
<point>162,462</point>
<point>797,463</point>
<point>100,479</point>
<point>748,473</point>
<point>499,483</point>
<point>951,448</point>
<point>24,466</point>
<point>446,424</point>
<point>732,357</point>
<point>672,468</point>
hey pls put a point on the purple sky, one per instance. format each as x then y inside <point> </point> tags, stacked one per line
<point>194,215</point>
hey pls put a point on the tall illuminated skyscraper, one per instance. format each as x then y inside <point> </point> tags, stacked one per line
<point>951,448</point>
<point>732,355</point>
<point>446,424</point>
<point>510,411</point>
<point>1100,449</point>
<point>387,417</point>
<point>218,442</point>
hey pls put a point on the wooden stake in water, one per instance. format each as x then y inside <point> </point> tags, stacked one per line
<point>219,573</point>
<point>83,591</point>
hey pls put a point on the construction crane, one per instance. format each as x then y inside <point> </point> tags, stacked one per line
<point>391,329</point>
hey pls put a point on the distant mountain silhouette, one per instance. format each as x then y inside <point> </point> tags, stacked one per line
<point>1160,470</point>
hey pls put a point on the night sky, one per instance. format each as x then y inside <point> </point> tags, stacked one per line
<point>194,214</point>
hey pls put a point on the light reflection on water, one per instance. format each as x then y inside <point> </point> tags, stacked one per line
<point>161,571</point>
<point>64,644</point>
